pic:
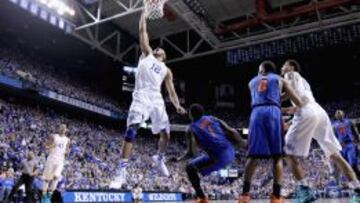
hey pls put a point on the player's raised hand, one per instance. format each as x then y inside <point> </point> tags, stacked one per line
<point>181,110</point>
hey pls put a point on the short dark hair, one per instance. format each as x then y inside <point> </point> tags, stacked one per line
<point>196,111</point>
<point>268,66</point>
<point>165,55</point>
<point>295,64</point>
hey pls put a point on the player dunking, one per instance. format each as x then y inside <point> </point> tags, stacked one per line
<point>216,138</point>
<point>265,130</point>
<point>148,102</point>
<point>311,122</point>
<point>58,146</point>
<point>344,129</point>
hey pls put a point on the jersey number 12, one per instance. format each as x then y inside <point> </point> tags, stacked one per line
<point>156,68</point>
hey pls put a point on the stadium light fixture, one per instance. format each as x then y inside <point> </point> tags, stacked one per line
<point>59,6</point>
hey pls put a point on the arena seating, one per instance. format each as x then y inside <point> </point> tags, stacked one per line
<point>16,64</point>
<point>95,151</point>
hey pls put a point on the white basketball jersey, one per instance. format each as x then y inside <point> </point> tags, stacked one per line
<point>150,75</point>
<point>59,150</point>
<point>300,85</point>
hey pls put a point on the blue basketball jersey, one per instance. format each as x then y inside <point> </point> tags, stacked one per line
<point>343,131</point>
<point>265,90</point>
<point>209,135</point>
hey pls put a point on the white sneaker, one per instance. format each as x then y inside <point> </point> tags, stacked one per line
<point>159,162</point>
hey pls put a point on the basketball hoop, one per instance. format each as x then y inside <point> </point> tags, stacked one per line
<point>154,9</point>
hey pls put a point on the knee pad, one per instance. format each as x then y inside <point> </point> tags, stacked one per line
<point>130,134</point>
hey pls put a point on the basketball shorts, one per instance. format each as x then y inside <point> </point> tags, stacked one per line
<point>311,122</point>
<point>265,132</point>
<point>206,164</point>
<point>53,168</point>
<point>149,105</point>
<point>350,153</point>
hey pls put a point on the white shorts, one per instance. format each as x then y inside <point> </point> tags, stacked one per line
<point>53,168</point>
<point>149,105</point>
<point>311,122</point>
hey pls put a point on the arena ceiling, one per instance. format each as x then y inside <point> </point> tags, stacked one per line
<point>194,28</point>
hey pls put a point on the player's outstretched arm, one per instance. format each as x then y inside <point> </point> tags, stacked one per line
<point>68,148</point>
<point>232,133</point>
<point>356,132</point>
<point>191,146</point>
<point>36,172</point>
<point>169,83</point>
<point>144,36</point>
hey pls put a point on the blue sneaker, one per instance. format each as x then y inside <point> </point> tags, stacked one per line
<point>304,195</point>
<point>355,198</point>
<point>49,197</point>
<point>46,198</point>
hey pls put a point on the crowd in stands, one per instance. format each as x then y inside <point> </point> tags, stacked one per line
<point>32,68</point>
<point>350,107</point>
<point>95,149</point>
<point>94,156</point>
<point>238,120</point>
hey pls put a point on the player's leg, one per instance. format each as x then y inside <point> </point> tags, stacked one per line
<point>351,158</point>
<point>303,191</point>
<point>15,188</point>
<point>330,145</point>
<point>137,115</point>
<point>205,165</point>
<point>163,141</point>
<point>45,185</point>
<point>334,172</point>
<point>193,168</point>
<point>29,189</point>
<point>250,168</point>
<point>127,147</point>
<point>274,134</point>
<point>47,177</point>
<point>346,169</point>
<point>297,144</point>
<point>53,185</point>
<point>296,169</point>
<point>160,125</point>
<point>258,147</point>
<point>278,177</point>
<point>159,158</point>
<point>57,170</point>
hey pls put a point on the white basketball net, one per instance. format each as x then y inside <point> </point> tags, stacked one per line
<point>154,9</point>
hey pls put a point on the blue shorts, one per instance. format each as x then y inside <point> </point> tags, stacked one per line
<point>207,164</point>
<point>266,132</point>
<point>350,152</point>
